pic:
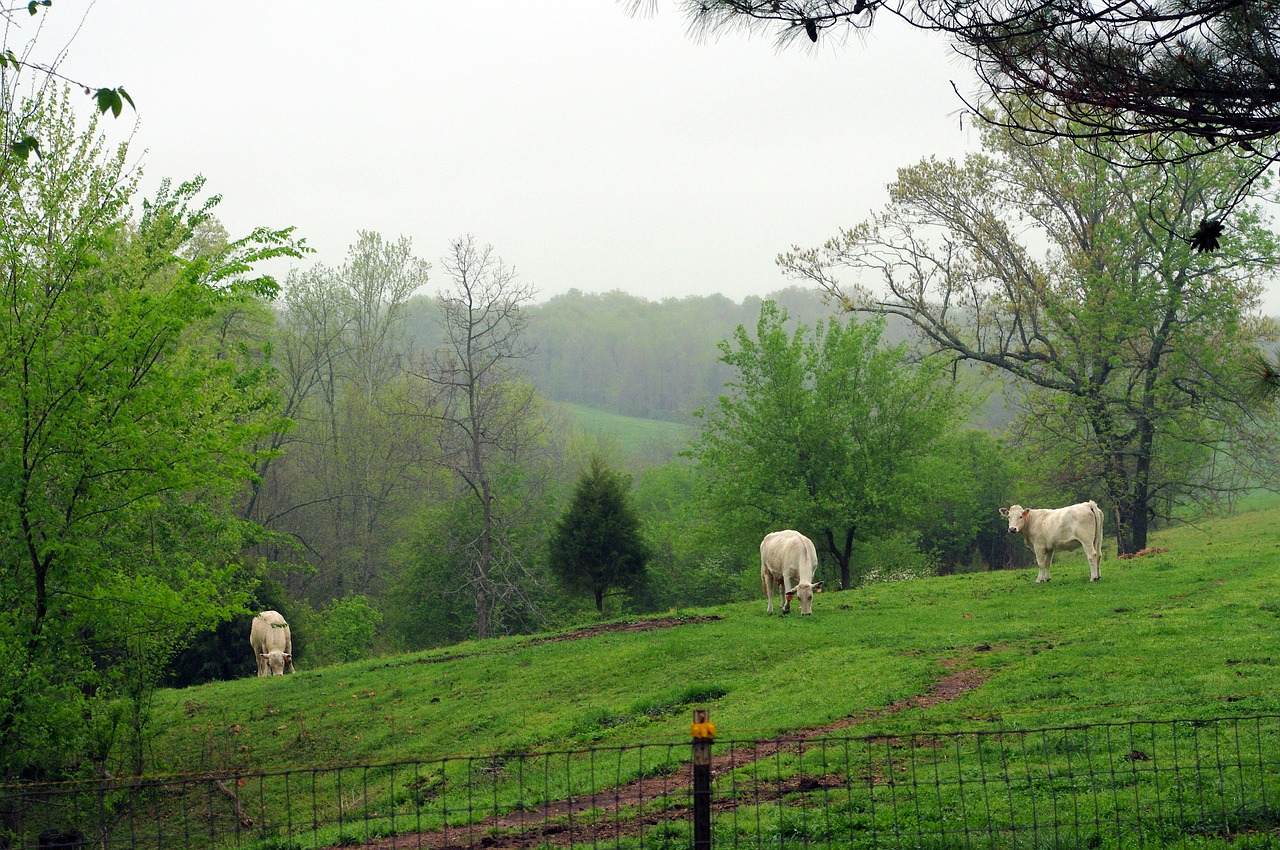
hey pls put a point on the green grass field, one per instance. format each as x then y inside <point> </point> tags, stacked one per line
<point>1187,635</point>
<point>642,437</point>
<point>1176,633</point>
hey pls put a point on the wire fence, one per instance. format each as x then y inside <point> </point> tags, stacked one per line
<point>1170,783</point>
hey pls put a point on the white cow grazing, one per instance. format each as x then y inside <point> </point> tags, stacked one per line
<point>788,559</point>
<point>1048,530</point>
<point>272,644</point>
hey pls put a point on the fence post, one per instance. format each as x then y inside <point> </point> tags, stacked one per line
<point>703,734</point>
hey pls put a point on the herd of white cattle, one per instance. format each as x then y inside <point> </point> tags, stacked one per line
<point>788,558</point>
<point>787,562</point>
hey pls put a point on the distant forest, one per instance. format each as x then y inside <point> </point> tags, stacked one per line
<point>629,355</point>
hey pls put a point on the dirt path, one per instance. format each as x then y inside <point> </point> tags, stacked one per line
<point>599,817</point>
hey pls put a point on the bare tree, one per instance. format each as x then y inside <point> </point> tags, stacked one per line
<point>486,414</point>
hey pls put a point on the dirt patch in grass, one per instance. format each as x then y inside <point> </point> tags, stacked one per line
<point>631,809</point>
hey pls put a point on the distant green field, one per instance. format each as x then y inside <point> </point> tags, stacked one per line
<point>642,437</point>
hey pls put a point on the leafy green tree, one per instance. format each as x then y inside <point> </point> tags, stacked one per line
<point>429,601</point>
<point>826,431</point>
<point>1127,345</point>
<point>650,359</point>
<point>596,544</point>
<point>126,434</point>
<point>973,477</point>
<point>344,630</point>
<point>351,469</point>
<point>427,604</point>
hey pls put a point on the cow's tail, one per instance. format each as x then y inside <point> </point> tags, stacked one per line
<point>1097,527</point>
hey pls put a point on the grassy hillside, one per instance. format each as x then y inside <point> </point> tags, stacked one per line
<point>646,438</point>
<point>1190,632</point>
<point>963,711</point>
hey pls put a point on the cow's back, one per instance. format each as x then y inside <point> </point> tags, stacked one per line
<point>789,555</point>
<point>1064,528</point>
<point>270,633</point>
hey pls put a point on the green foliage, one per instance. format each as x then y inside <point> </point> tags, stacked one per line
<point>126,436</point>
<point>112,100</point>
<point>342,631</point>
<point>653,360</point>
<point>596,544</point>
<point>355,465</point>
<point>691,564</point>
<point>426,605</point>
<point>972,477</point>
<point>826,432</point>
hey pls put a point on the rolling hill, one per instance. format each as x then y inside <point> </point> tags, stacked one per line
<point>979,710</point>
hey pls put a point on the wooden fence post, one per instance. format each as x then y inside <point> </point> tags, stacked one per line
<point>704,734</point>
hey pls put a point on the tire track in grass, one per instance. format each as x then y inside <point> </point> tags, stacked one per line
<point>627,811</point>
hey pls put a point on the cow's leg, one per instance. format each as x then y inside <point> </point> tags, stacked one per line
<point>1044,559</point>
<point>262,665</point>
<point>1095,563</point>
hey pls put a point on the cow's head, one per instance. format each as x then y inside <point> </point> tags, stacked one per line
<point>1016,515</point>
<point>276,661</point>
<point>804,591</point>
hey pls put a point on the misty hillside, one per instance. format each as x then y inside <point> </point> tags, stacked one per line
<point>623,354</point>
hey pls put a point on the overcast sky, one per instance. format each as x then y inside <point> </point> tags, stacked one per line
<point>592,149</point>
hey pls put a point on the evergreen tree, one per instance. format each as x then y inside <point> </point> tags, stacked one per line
<point>596,544</point>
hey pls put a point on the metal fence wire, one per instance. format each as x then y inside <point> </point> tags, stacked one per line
<point>1170,783</point>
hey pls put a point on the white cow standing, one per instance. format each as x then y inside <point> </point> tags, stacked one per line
<point>788,559</point>
<point>1048,530</point>
<point>272,644</point>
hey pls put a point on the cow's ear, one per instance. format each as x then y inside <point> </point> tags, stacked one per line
<point>1026,513</point>
<point>790,594</point>
<point>817,587</point>
<point>1004,512</point>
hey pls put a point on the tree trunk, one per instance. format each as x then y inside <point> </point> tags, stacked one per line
<point>842,556</point>
<point>482,568</point>
<point>1131,526</point>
